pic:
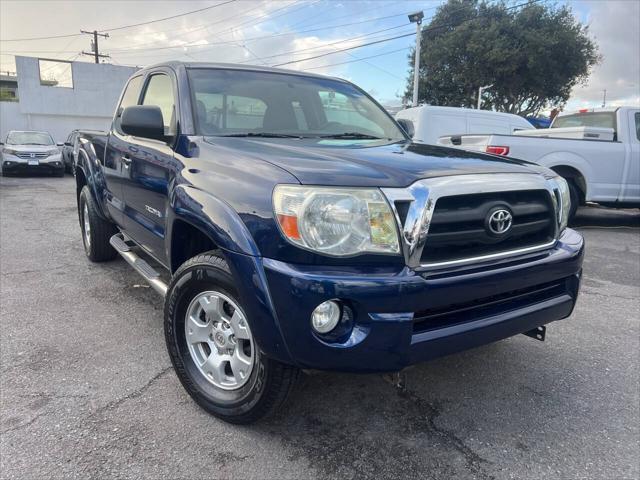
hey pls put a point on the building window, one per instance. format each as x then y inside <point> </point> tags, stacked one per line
<point>54,73</point>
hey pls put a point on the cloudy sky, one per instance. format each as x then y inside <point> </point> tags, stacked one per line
<point>292,31</point>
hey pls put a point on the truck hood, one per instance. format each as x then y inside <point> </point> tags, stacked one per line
<point>358,163</point>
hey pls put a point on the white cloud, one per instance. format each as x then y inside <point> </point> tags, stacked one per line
<point>615,25</point>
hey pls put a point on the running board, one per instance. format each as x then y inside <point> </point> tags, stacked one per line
<point>119,242</point>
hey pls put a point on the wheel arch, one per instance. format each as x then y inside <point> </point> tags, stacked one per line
<point>89,174</point>
<point>570,173</point>
<point>569,166</point>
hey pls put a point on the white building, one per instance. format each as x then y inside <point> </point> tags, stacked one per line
<point>83,95</point>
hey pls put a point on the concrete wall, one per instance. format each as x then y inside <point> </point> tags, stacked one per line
<point>88,105</point>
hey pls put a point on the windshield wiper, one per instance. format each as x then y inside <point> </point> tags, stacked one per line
<point>352,135</point>
<point>261,134</point>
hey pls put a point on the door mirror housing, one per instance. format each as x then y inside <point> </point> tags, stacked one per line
<point>60,144</point>
<point>407,126</point>
<point>143,121</point>
<point>68,144</point>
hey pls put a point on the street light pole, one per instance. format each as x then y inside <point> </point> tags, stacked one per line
<point>480,90</point>
<point>417,19</point>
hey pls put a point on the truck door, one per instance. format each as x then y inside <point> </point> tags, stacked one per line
<point>117,148</point>
<point>148,167</point>
<point>631,184</point>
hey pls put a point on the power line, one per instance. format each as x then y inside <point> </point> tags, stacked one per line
<point>39,38</point>
<point>435,27</point>
<point>117,28</point>
<point>362,59</point>
<point>345,49</point>
<point>131,51</point>
<point>265,16</point>
<point>167,18</point>
<point>364,35</point>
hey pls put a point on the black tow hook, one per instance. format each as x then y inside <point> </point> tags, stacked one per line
<point>538,333</point>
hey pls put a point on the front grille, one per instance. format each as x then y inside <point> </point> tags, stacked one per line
<point>32,155</point>
<point>449,315</point>
<point>458,228</point>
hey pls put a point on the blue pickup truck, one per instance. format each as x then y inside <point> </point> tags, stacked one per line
<point>299,227</point>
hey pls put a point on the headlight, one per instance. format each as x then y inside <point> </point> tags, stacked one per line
<point>336,221</point>
<point>53,151</point>
<point>9,151</point>
<point>564,202</point>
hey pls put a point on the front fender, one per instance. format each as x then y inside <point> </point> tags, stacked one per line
<point>224,227</point>
<point>215,218</point>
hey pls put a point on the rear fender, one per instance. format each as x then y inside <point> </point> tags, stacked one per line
<point>91,168</point>
<point>568,159</point>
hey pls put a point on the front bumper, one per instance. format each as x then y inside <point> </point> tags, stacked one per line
<point>404,317</point>
<point>15,165</point>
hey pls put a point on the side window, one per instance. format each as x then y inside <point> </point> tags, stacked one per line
<point>637,115</point>
<point>160,93</point>
<point>130,97</point>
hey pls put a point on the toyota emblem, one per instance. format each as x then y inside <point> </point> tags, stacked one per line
<point>499,221</point>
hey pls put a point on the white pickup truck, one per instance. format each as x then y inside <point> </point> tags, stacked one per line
<point>596,151</point>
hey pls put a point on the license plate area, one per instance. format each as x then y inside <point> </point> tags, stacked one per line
<point>33,162</point>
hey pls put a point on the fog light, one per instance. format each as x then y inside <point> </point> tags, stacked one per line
<point>326,316</point>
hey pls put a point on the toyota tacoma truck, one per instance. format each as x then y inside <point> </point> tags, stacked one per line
<point>290,224</point>
<point>596,151</point>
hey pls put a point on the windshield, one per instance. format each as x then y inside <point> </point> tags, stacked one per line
<point>29,138</point>
<point>587,119</point>
<point>246,103</point>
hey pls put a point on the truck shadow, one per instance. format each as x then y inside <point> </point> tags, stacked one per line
<point>606,217</point>
<point>367,426</point>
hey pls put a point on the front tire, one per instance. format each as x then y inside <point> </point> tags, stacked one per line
<point>212,348</point>
<point>96,231</point>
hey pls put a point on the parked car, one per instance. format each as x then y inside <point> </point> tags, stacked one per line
<point>597,151</point>
<point>68,149</point>
<point>302,229</point>
<point>29,152</point>
<point>430,122</point>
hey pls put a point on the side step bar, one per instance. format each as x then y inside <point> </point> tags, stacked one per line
<point>119,242</point>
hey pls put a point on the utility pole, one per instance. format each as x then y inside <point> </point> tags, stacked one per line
<point>417,19</point>
<point>95,52</point>
<point>604,98</point>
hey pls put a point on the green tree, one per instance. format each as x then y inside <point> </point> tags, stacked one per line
<point>532,56</point>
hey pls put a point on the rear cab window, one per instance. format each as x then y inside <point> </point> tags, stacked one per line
<point>588,119</point>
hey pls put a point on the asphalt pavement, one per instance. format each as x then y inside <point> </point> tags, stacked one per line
<point>87,389</point>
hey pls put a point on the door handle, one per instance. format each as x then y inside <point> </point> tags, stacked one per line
<point>126,161</point>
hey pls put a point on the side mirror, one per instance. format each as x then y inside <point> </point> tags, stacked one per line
<point>60,144</point>
<point>407,126</point>
<point>68,144</point>
<point>143,121</point>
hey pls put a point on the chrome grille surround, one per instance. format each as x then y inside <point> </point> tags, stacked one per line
<point>28,155</point>
<point>423,195</point>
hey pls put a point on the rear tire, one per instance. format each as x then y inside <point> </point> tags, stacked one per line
<point>229,395</point>
<point>96,231</point>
